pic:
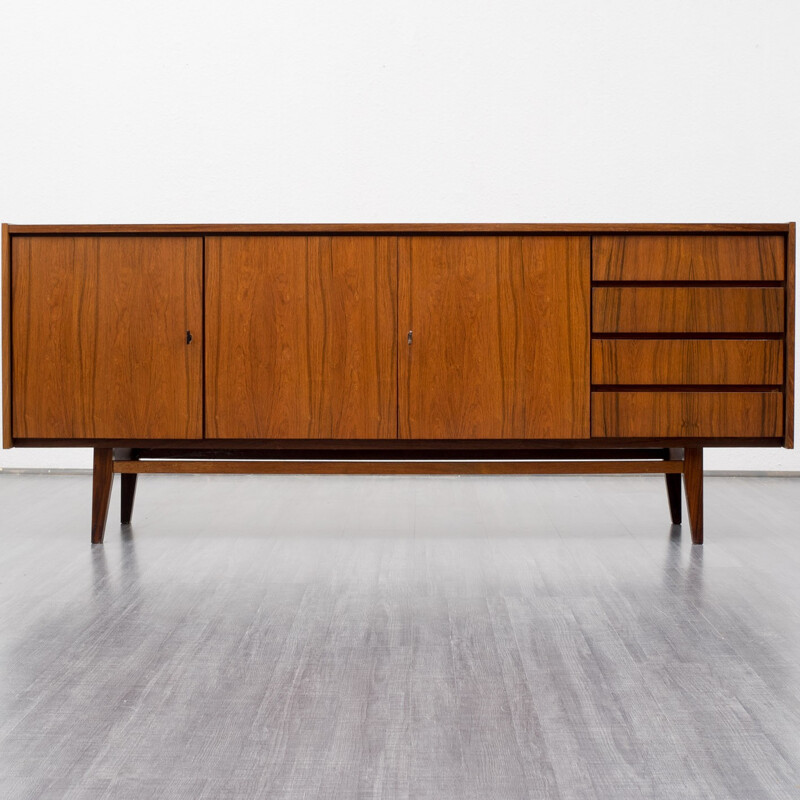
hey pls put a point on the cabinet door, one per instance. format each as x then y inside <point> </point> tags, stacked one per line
<point>99,337</point>
<point>494,333</point>
<point>301,337</point>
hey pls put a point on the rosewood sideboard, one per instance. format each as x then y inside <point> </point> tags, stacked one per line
<point>398,349</point>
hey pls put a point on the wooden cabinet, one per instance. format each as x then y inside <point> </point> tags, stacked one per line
<point>430,349</point>
<point>494,335</point>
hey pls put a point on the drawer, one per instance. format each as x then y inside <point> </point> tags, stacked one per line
<point>687,309</point>
<point>687,361</point>
<point>688,258</point>
<point>687,414</point>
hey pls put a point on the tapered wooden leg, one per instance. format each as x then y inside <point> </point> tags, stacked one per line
<point>674,497</point>
<point>674,489</point>
<point>129,493</point>
<point>693,483</point>
<point>128,484</point>
<point>101,491</point>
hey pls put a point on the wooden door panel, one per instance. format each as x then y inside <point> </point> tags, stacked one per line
<point>300,337</point>
<point>500,337</point>
<point>99,337</point>
<point>688,258</point>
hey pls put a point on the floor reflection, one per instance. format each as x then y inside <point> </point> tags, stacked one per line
<point>684,566</point>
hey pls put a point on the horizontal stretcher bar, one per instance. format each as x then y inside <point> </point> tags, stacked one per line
<point>286,467</point>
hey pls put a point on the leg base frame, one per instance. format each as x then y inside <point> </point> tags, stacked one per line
<point>672,463</point>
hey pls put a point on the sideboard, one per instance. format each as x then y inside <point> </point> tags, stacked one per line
<point>398,349</point>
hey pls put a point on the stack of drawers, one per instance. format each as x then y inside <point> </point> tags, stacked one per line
<point>688,336</point>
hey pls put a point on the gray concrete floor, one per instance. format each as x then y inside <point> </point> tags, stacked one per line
<point>349,637</point>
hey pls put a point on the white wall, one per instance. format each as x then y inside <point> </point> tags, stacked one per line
<point>569,111</point>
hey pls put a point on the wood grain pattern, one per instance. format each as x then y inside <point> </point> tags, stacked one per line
<point>662,309</point>
<point>788,426</point>
<point>400,467</point>
<point>688,258</point>
<point>693,484</point>
<point>300,337</point>
<point>102,478</point>
<point>320,446</point>
<point>687,414</point>
<point>5,280</point>
<point>99,330</point>
<point>374,229</point>
<point>687,361</point>
<point>500,337</point>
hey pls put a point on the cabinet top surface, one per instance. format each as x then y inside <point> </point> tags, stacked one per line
<point>407,228</point>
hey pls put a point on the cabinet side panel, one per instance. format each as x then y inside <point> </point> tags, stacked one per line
<point>788,428</point>
<point>8,440</point>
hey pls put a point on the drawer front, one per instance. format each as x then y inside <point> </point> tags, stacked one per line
<point>687,414</point>
<point>687,361</point>
<point>688,258</point>
<point>687,309</point>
